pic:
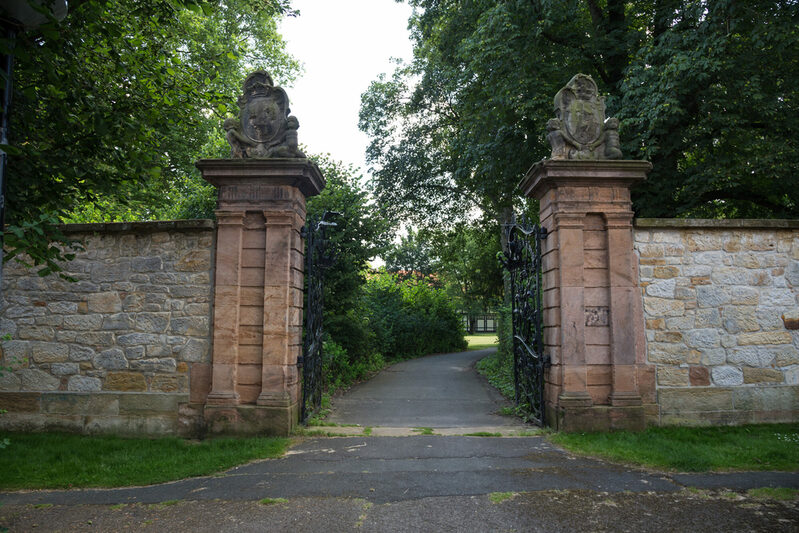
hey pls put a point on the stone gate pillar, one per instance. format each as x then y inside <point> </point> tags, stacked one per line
<point>593,321</point>
<point>258,298</point>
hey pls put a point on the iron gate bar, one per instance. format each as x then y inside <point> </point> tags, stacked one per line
<point>523,263</point>
<point>318,258</point>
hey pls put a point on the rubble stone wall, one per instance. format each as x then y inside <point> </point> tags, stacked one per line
<point>721,309</point>
<point>123,347</point>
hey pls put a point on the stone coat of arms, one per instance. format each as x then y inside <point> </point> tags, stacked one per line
<point>264,127</point>
<point>580,130</point>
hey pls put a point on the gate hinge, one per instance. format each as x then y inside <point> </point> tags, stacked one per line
<point>300,361</point>
<point>542,233</point>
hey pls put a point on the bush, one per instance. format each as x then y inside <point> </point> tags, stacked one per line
<point>342,371</point>
<point>410,318</point>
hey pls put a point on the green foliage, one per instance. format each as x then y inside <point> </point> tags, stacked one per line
<point>498,369</point>
<point>40,243</point>
<point>58,460</point>
<point>341,370</point>
<point>113,105</point>
<point>411,256</point>
<point>755,447</point>
<point>705,90</point>
<point>410,318</point>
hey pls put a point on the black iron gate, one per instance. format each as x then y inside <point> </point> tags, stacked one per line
<point>318,257</point>
<point>523,263</point>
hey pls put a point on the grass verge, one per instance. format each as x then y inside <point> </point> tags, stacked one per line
<point>482,341</point>
<point>752,447</point>
<point>61,460</point>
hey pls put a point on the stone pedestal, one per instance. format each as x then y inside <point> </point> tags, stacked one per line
<point>257,333</point>
<point>593,321</point>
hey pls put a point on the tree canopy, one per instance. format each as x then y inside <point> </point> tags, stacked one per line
<point>706,90</point>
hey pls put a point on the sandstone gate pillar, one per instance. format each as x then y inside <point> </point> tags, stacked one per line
<point>257,332</point>
<point>593,321</point>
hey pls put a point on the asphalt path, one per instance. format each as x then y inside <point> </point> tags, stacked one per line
<point>422,482</point>
<point>437,391</point>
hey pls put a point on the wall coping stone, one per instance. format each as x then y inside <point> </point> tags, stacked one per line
<point>140,227</point>
<point>712,223</point>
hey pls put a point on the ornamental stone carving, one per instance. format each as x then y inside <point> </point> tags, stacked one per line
<point>580,130</point>
<point>264,128</point>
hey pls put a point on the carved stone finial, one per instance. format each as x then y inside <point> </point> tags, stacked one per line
<point>580,130</point>
<point>263,128</point>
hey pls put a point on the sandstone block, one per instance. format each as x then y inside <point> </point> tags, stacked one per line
<point>64,369</point>
<point>170,383</point>
<point>708,318</point>
<point>49,352</point>
<point>777,297</point>
<point>708,258</point>
<point>702,338</point>
<point>662,289</point>
<point>104,302</point>
<point>63,308</point>
<point>133,302</point>
<point>9,382</point>
<point>34,379</point>
<point>112,359</point>
<point>151,403</point>
<point>198,309</point>
<point>14,352</point>
<point>744,296</point>
<point>713,356</point>
<point>703,241</point>
<point>740,318</point>
<point>663,306</point>
<point>755,356</point>
<point>152,322</point>
<point>84,384</point>
<point>135,352</point>
<point>119,321</point>
<point>672,376</point>
<point>668,354</point>
<point>765,337</point>
<point>712,296</point>
<point>699,376</point>
<point>655,323</point>
<point>147,264</point>
<point>117,271</point>
<point>195,351</point>
<point>767,398</point>
<point>154,365</point>
<point>125,381</point>
<point>36,333</point>
<point>83,322</point>
<point>668,336</point>
<point>666,272</point>
<point>786,355</point>
<point>762,375</point>
<point>81,353</point>
<point>194,260</point>
<point>791,374</point>
<point>697,270</point>
<point>695,399</point>
<point>192,326</point>
<point>138,339</point>
<point>726,376</point>
<point>792,273</point>
<point>681,323</point>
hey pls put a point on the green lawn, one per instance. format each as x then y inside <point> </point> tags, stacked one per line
<point>482,341</point>
<point>753,447</point>
<point>56,460</point>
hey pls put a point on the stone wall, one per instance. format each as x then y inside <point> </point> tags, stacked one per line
<point>121,349</point>
<point>721,308</point>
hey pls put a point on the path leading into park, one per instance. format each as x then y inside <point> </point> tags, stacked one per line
<point>440,392</point>
<point>440,482</point>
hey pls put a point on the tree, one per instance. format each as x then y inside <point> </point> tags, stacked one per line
<point>410,257</point>
<point>466,260</point>
<point>704,89</point>
<point>361,233</point>
<point>113,105</point>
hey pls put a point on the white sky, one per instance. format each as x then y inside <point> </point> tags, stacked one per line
<point>343,45</point>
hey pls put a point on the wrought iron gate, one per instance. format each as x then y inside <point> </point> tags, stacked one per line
<point>318,257</point>
<point>523,263</point>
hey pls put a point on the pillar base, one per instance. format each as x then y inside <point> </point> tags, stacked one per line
<point>223,398</point>
<point>575,399</point>
<point>625,399</point>
<point>597,418</point>
<point>248,420</point>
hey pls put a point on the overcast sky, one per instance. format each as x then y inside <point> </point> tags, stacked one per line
<point>343,45</point>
